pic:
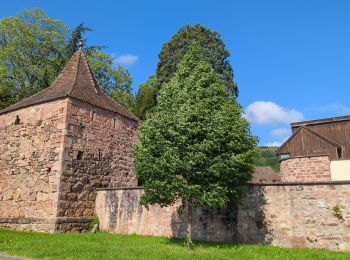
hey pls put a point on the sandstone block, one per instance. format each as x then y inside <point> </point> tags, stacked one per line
<point>72,196</point>
<point>41,196</point>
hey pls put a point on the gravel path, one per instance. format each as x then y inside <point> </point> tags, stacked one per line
<point>8,257</point>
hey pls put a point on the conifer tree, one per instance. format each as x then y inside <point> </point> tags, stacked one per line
<point>145,97</point>
<point>212,47</point>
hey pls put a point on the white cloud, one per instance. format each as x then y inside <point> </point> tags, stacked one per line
<point>284,135</point>
<point>280,132</point>
<point>274,144</point>
<point>126,59</point>
<point>269,113</point>
<point>337,108</point>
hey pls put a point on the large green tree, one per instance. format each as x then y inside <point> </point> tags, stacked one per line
<point>212,47</point>
<point>31,53</point>
<point>122,91</point>
<point>33,50</point>
<point>195,147</point>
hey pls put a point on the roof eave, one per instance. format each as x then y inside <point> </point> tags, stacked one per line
<point>312,132</point>
<point>321,121</point>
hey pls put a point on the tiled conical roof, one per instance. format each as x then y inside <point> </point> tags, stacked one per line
<point>75,81</point>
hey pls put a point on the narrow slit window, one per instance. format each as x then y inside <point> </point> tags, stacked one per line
<point>80,155</point>
<point>100,155</point>
<point>17,120</point>
<point>339,152</point>
<point>93,116</point>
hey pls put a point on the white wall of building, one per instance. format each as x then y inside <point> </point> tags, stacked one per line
<point>340,170</point>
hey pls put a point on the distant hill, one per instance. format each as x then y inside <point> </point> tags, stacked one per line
<point>267,157</point>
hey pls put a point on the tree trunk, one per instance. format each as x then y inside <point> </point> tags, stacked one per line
<point>189,227</point>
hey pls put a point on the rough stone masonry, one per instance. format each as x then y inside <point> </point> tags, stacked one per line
<point>57,147</point>
<point>282,214</point>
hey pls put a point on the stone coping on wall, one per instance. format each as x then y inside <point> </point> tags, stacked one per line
<point>307,183</point>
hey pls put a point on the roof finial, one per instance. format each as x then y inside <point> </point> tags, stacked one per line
<point>81,44</point>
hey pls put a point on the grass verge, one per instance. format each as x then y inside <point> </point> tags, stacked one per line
<point>113,246</point>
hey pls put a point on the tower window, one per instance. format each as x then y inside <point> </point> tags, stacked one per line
<point>339,152</point>
<point>17,120</point>
<point>100,155</point>
<point>80,155</point>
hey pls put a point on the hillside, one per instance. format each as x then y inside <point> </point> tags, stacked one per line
<point>267,157</point>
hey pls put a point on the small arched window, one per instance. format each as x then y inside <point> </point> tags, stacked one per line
<point>339,152</point>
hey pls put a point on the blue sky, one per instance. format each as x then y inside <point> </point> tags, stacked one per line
<point>291,59</point>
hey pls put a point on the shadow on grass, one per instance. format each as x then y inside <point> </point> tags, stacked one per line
<point>203,244</point>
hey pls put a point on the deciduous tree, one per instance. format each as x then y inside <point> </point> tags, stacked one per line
<point>31,53</point>
<point>121,91</point>
<point>195,147</point>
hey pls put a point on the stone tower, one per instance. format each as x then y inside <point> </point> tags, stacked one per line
<point>57,147</point>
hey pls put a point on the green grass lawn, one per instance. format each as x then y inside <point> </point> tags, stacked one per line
<point>111,246</point>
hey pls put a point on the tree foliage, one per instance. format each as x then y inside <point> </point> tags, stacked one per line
<point>31,54</point>
<point>121,91</point>
<point>195,147</point>
<point>212,47</point>
<point>33,50</point>
<point>76,35</point>
<point>145,97</point>
<point>266,156</point>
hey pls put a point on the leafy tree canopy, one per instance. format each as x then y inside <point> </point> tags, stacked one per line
<point>121,88</point>
<point>195,146</point>
<point>212,47</point>
<point>31,54</point>
<point>33,50</point>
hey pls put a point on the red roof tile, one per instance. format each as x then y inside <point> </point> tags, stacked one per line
<point>265,174</point>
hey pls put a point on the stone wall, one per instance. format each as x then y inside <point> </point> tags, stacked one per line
<point>30,165</point>
<point>290,215</point>
<point>97,153</point>
<point>52,158</point>
<point>313,168</point>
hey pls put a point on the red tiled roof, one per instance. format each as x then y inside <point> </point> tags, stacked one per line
<point>75,81</point>
<point>265,174</point>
